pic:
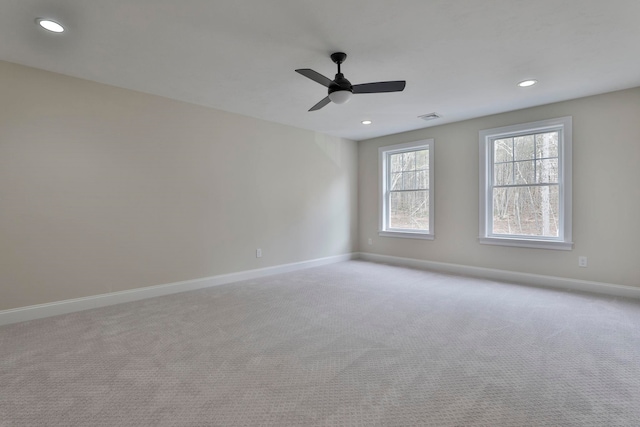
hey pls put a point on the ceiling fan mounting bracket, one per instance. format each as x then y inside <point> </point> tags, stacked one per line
<point>338,57</point>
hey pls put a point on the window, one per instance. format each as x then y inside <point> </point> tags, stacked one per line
<point>406,200</point>
<point>525,185</point>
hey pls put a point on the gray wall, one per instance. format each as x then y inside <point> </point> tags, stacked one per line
<point>104,189</point>
<point>606,193</point>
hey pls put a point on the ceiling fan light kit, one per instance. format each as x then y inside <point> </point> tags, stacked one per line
<point>340,96</point>
<point>340,89</point>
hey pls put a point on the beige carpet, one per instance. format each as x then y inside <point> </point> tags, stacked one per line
<point>350,344</point>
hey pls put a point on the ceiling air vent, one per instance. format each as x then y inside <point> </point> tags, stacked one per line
<point>430,116</point>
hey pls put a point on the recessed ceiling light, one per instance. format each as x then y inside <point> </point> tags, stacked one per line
<point>527,83</point>
<point>50,25</point>
<point>366,122</point>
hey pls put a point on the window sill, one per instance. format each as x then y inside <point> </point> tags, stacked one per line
<point>527,243</point>
<point>406,235</point>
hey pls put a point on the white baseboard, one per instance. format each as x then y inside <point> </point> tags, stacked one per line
<point>40,311</point>
<point>509,276</point>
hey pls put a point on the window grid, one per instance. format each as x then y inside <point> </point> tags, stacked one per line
<point>533,160</point>
<point>403,172</point>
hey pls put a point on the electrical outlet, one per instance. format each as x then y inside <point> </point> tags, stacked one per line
<point>582,261</point>
<point>370,241</point>
<point>258,253</point>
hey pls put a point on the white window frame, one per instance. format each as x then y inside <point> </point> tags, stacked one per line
<point>383,163</point>
<point>563,126</point>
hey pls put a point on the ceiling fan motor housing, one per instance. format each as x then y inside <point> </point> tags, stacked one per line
<point>340,83</point>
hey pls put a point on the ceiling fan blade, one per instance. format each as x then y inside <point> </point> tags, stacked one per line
<point>320,104</point>
<point>315,76</point>
<point>378,87</point>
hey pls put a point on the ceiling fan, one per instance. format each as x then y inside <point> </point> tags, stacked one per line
<point>340,89</point>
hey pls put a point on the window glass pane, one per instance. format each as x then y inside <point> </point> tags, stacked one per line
<point>396,209</point>
<point>503,150</point>
<point>524,147</point>
<point>422,159</point>
<point>409,181</point>
<point>409,210</point>
<point>395,182</point>
<point>526,211</point>
<point>420,216</point>
<point>395,161</point>
<point>547,145</point>
<point>503,174</point>
<point>525,172</point>
<point>547,171</point>
<point>409,161</point>
<point>422,179</point>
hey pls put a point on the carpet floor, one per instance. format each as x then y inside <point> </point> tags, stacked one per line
<point>349,344</point>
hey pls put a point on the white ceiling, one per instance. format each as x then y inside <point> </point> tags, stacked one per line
<point>460,58</point>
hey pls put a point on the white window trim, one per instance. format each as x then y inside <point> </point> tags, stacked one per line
<point>383,153</point>
<point>564,239</point>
